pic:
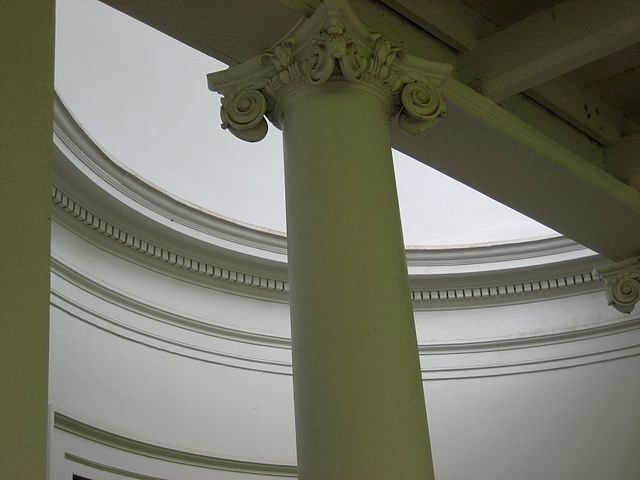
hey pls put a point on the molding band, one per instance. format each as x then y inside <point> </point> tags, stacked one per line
<point>480,254</point>
<point>155,251</point>
<point>83,430</point>
<point>167,345</point>
<point>521,291</point>
<point>108,469</point>
<point>134,306</point>
<point>618,338</point>
<point>427,292</point>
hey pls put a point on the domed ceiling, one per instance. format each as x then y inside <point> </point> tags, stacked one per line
<point>142,96</point>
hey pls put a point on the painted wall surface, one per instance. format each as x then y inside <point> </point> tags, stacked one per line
<point>568,424</point>
<point>547,389</point>
<point>26,96</point>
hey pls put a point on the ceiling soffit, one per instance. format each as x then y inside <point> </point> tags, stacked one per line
<point>218,28</point>
<point>503,13</point>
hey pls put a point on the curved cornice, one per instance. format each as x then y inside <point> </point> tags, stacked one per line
<point>152,250</point>
<point>483,254</point>
<point>504,287</point>
<point>100,171</point>
<point>136,220</point>
<point>496,287</point>
<point>127,444</point>
<point>134,306</point>
<point>97,168</point>
<point>102,467</point>
<point>562,346</point>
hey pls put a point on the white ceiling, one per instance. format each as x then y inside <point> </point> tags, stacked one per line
<point>143,97</point>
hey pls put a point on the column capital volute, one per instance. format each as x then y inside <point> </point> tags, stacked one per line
<point>622,281</point>
<point>332,44</point>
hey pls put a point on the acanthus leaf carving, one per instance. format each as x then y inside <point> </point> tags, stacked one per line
<point>331,45</point>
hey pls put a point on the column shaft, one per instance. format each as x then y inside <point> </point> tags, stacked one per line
<point>360,411</point>
<point>26,96</point>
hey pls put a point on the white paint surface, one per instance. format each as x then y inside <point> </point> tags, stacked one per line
<point>560,409</point>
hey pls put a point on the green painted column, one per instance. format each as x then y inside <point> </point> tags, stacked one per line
<point>360,411</point>
<point>26,96</point>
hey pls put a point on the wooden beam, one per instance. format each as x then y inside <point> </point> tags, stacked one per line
<point>234,31</point>
<point>449,20</point>
<point>549,44</point>
<point>622,160</point>
<point>484,146</point>
<point>306,7</point>
<point>230,31</point>
<point>556,128</point>
<point>582,109</point>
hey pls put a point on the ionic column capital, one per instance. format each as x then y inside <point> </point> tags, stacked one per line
<point>331,45</point>
<point>622,280</point>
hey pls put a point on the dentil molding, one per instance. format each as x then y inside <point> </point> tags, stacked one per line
<point>331,45</point>
<point>428,292</point>
<point>622,281</point>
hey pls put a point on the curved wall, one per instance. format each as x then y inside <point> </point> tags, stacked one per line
<point>170,346</point>
<point>512,391</point>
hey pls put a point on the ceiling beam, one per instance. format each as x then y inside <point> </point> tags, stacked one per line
<point>482,145</point>
<point>218,28</point>
<point>549,44</point>
<point>547,122</point>
<point>623,160</point>
<point>449,20</point>
<point>306,7</point>
<point>234,31</point>
<point>582,109</point>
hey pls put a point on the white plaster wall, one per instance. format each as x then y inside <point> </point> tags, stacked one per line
<point>578,423</point>
<point>501,405</point>
<point>510,322</point>
<point>171,294</point>
<point>98,462</point>
<point>167,399</point>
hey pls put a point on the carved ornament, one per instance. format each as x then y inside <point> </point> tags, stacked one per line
<point>331,45</point>
<point>622,280</point>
